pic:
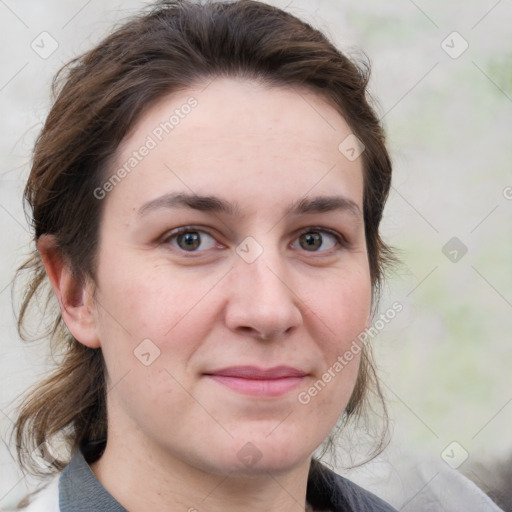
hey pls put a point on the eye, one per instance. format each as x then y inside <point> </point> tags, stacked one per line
<point>318,240</point>
<point>190,240</point>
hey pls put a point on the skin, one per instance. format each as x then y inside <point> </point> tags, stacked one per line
<point>175,434</point>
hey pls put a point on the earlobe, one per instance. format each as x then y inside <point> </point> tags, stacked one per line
<point>75,298</point>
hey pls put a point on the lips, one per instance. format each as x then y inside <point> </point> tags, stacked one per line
<point>252,380</point>
<point>253,372</point>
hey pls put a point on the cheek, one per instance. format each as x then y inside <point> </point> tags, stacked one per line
<point>328,394</point>
<point>342,306</point>
<point>150,301</point>
<point>340,309</point>
<point>151,322</point>
<point>155,310</point>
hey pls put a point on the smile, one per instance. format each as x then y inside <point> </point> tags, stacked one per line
<point>250,380</point>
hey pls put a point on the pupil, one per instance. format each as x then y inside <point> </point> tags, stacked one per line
<point>189,241</point>
<point>311,241</point>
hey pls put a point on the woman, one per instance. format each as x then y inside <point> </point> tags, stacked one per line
<point>206,196</point>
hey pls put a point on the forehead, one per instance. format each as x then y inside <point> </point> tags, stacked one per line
<point>234,135</point>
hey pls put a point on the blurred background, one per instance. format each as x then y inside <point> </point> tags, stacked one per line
<point>442,76</point>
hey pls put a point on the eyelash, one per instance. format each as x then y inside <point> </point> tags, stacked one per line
<point>340,240</point>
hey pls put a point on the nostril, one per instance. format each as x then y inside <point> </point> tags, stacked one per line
<point>243,329</point>
<point>264,335</point>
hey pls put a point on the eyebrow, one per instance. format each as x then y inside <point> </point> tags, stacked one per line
<point>322,204</point>
<point>215,204</point>
<point>194,201</point>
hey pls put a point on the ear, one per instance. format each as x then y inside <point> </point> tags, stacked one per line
<point>76,301</point>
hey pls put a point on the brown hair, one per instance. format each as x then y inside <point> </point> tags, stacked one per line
<point>98,98</point>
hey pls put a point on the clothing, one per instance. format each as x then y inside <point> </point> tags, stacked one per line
<point>78,490</point>
<point>328,491</point>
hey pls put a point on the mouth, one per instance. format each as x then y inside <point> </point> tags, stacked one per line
<point>251,380</point>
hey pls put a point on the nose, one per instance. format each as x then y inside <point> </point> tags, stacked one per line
<point>262,301</point>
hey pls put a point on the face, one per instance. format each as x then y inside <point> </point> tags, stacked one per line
<point>232,273</point>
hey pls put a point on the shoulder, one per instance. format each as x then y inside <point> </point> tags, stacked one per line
<point>360,499</point>
<point>329,491</point>
<point>46,499</point>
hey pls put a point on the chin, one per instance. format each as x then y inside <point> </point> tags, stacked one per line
<point>263,454</point>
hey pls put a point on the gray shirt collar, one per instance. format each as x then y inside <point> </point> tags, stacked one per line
<point>81,491</point>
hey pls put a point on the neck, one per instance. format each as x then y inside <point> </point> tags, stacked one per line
<point>152,480</point>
